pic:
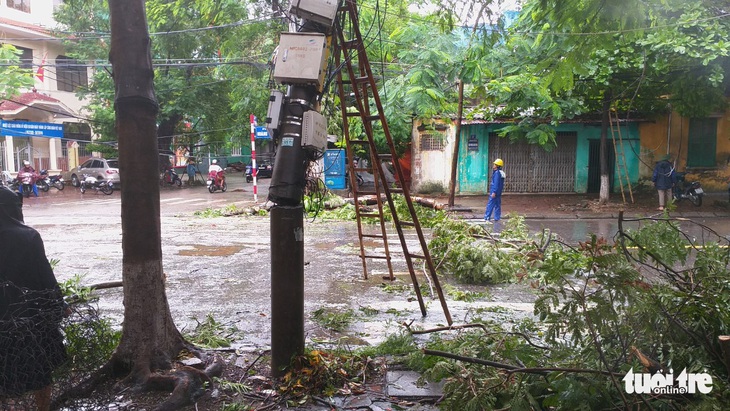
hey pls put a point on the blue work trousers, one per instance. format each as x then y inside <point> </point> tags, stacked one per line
<point>494,205</point>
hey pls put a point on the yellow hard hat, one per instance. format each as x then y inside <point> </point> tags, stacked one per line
<point>499,163</point>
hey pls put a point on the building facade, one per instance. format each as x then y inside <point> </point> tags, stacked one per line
<point>43,124</point>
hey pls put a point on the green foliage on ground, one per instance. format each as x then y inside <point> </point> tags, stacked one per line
<point>427,217</point>
<point>601,306</point>
<point>211,333</point>
<point>472,254</point>
<point>333,319</point>
<point>90,338</point>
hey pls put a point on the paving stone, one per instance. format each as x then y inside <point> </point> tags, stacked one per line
<point>405,384</point>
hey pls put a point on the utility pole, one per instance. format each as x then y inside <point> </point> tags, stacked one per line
<point>301,135</point>
<point>457,141</point>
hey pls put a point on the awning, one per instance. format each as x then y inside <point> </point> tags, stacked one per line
<point>14,107</point>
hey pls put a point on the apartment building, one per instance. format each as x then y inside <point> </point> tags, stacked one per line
<point>43,124</point>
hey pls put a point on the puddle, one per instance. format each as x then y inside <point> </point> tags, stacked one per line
<point>211,251</point>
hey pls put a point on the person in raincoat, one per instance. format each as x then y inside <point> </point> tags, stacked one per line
<point>31,308</point>
<point>664,179</point>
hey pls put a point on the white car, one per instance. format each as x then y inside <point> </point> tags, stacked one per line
<point>99,168</point>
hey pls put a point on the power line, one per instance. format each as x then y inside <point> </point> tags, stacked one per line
<point>95,35</point>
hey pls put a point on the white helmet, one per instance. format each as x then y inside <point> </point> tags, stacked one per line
<point>26,162</point>
<point>215,161</point>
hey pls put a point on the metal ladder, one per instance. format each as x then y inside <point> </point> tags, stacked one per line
<point>623,171</point>
<point>355,81</point>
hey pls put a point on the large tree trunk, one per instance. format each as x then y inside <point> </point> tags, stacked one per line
<point>604,192</point>
<point>150,339</point>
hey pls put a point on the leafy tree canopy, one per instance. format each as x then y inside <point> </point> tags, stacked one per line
<point>14,77</point>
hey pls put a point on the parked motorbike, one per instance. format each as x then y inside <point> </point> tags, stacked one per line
<point>26,180</point>
<point>217,181</point>
<point>5,179</point>
<point>171,178</point>
<point>45,182</point>
<point>691,190</point>
<point>91,183</point>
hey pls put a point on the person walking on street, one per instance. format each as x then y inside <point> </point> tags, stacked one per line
<point>664,179</point>
<point>494,205</point>
<point>31,309</point>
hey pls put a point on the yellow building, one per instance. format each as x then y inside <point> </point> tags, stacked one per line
<point>699,146</point>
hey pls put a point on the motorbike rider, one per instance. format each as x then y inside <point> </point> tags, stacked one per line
<point>215,172</point>
<point>27,168</point>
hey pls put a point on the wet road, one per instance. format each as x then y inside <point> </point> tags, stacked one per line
<point>221,265</point>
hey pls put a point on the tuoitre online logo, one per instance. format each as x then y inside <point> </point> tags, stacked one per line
<point>685,383</point>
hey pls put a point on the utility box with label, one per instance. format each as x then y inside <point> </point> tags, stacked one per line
<point>273,114</point>
<point>301,58</point>
<point>314,131</point>
<point>320,11</point>
<point>334,169</point>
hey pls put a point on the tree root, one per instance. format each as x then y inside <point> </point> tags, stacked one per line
<point>186,383</point>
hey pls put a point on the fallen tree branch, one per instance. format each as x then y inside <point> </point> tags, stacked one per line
<point>511,369</point>
<point>102,286</point>
<point>474,325</point>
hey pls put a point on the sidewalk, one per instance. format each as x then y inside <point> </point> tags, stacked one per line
<point>585,206</point>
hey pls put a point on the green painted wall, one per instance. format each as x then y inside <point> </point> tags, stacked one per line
<point>471,164</point>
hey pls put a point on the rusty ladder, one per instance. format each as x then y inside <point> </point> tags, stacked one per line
<point>620,155</point>
<point>355,81</point>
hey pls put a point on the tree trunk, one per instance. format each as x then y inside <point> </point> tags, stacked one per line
<point>604,192</point>
<point>150,339</point>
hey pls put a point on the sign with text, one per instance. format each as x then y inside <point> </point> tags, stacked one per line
<point>30,129</point>
<point>262,133</point>
<point>472,144</point>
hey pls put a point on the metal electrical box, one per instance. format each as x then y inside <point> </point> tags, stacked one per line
<point>314,131</point>
<point>334,168</point>
<point>320,11</point>
<point>301,58</point>
<point>273,114</point>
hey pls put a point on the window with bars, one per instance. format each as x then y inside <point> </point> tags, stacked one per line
<point>70,74</point>
<point>22,5</point>
<point>432,142</point>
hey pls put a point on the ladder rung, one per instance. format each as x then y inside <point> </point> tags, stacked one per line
<point>373,235</point>
<point>351,44</point>
<point>408,223</point>
<point>396,190</point>
<point>387,156</point>
<point>353,114</point>
<point>359,141</point>
<point>423,257</point>
<point>379,257</point>
<point>367,193</point>
<point>363,79</point>
<point>373,118</point>
<point>371,215</point>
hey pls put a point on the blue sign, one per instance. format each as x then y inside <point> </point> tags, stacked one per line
<point>30,129</point>
<point>262,133</point>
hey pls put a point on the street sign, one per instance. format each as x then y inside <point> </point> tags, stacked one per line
<point>262,133</point>
<point>30,129</point>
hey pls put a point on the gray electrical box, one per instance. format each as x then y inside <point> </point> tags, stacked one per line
<point>314,131</point>
<point>301,58</point>
<point>320,11</point>
<point>273,115</point>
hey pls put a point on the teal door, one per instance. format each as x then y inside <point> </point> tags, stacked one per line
<point>473,170</point>
<point>702,142</point>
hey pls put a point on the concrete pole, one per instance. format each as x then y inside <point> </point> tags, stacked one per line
<point>287,286</point>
